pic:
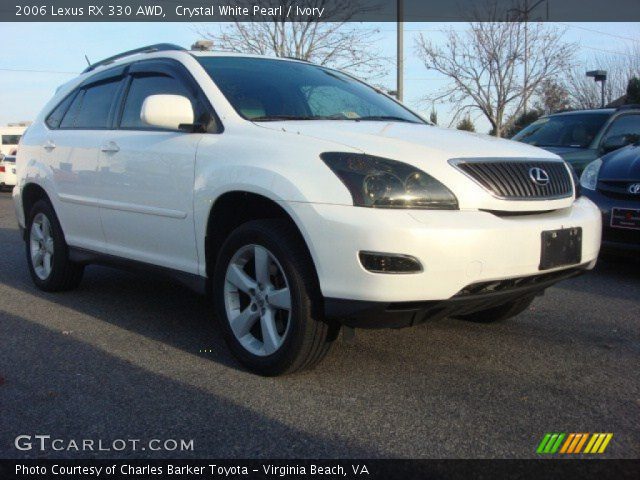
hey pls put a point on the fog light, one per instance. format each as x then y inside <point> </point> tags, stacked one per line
<point>377,262</point>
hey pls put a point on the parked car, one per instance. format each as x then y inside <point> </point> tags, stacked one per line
<point>10,138</point>
<point>581,136</point>
<point>7,172</point>
<point>298,197</point>
<point>613,183</point>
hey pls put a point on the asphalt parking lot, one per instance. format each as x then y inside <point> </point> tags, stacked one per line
<point>123,357</point>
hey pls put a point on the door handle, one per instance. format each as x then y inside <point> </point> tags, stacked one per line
<point>49,145</point>
<point>110,147</point>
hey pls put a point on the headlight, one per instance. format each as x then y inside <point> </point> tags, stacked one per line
<point>383,183</point>
<point>589,178</point>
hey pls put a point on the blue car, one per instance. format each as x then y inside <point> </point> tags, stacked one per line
<point>613,183</point>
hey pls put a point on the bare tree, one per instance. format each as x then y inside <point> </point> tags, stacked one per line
<point>485,64</point>
<point>553,96</point>
<point>585,93</point>
<point>331,42</point>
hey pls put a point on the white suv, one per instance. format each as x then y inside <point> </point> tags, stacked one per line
<point>299,197</point>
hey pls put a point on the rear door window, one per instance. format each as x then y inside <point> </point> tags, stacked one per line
<point>91,108</point>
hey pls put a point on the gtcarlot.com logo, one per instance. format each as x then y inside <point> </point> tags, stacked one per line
<point>574,443</point>
<point>45,443</point>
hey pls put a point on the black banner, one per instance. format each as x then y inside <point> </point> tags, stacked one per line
<point>322,10</point>
<point>348,469</point>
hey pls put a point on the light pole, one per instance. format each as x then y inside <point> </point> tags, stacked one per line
<point>523,14</point>
<point>599,76</point>
<point>400,44</point>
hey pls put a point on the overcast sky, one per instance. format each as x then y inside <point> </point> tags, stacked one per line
<point>37,57</point>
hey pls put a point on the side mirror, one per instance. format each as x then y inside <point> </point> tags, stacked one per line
<point>614,143</point>
<point>172,112</point>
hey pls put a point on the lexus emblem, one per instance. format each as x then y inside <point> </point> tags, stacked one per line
<point>539,176</point>
<point>634,189</point>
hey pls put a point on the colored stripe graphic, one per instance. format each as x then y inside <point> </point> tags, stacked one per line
<point>543,443</point>
<point>567,443</point>
<point>598,442</point>
<point>550,443</point>
<point>581,443</point>
<point>572,443</point>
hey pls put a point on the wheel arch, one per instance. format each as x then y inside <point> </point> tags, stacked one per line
<point>234,208</point>
<point>30,194</point>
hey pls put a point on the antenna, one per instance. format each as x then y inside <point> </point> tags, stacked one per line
<point>87,59</point>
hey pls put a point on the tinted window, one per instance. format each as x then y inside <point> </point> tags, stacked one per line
<point>69,118</point>
<point>627,126</point>
<point>263,89</point>
<point>144,86</point>
<point>96,104</point>
<point>55,118</point>
<point>91,106</point>
<point>572,130</point>
<point>11,139</point>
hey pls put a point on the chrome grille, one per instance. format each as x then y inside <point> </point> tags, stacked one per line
<point>512,179</point>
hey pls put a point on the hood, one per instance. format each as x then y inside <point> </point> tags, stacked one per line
<point>399,140</point>
<point>623,164</point>
<point>428,148</point>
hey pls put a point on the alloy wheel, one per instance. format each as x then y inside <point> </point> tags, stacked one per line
<point>257,300</point>
<point>41,246</point>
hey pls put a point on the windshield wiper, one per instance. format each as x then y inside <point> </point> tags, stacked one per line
<point>376,118</point>
<point>383,118</point>
<point>275,118</point>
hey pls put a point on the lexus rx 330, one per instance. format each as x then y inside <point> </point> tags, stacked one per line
<point>298,197</point>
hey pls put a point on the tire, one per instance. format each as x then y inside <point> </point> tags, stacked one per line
<point>499,313</point>
<point>62,273</point>
<point>278,341</point>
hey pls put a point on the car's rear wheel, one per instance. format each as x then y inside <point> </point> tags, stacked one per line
<point>499,313</point>
<point>48,253</point>
<point>267,299</point>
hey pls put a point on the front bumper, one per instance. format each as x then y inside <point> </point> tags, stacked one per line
<point>456,248</point>
<point>475,298</point>
<point>616,240</point>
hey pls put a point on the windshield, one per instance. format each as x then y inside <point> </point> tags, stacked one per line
<point>265,90</point>
<point>573,130</point>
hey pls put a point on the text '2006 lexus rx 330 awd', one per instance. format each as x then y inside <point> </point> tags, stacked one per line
<point>298,197</point>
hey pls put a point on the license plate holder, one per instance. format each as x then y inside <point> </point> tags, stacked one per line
<point>628,218</point>
<point>561,247</point>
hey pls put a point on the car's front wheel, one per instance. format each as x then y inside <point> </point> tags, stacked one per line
<point>267,299</point>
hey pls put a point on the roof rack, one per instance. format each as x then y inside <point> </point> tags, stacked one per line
<point>158,47</point>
